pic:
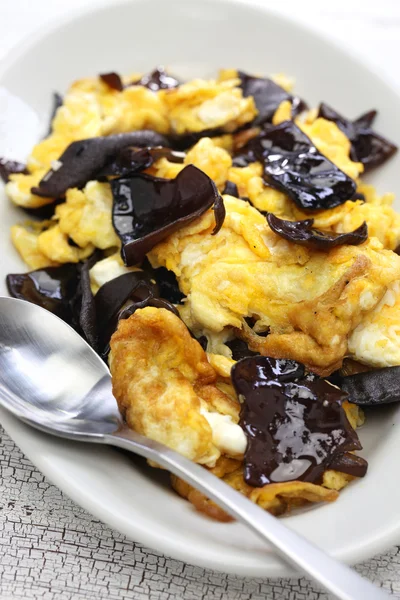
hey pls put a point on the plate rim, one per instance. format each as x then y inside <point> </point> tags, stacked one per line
<point>20,48</point>
<point>377,543</point>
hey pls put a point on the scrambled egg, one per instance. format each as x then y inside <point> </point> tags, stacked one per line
<point>55,244</point>
<point>45,245</point>
<point>133,108</point>
<point>107,269</point>
<point>25,239</point>
<point>165,387</point>
<point>85,216</point>
<point>375,341</point>
<point>167,390</point>
<point>311,301</point>
<point>200,105</point>
<point>205,155</point>
<point>18,189</point>
<point>282,113</point>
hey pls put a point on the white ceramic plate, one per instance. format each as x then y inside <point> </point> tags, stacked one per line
<point>195,39</point>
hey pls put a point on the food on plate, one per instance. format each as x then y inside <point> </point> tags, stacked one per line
<point>147,210</point>
<point>84,160</point>
<point>269,96</point>
<point>214,242</point>
<point>303,233</point>
<point>294,422</point>
<point>367,146</point>
<point>309,302</point>
<point>293,165</point>
<point>9,167</point>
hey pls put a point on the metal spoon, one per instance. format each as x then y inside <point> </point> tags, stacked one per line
<point>51,379</point>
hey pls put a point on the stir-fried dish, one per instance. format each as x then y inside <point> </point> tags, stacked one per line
<point>214,242</point>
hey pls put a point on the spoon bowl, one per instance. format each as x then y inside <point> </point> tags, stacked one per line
<point>50,378</point>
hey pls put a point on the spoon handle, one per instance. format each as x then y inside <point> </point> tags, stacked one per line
<point>336,577</point>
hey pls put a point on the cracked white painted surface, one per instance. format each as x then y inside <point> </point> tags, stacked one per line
<point>50,548</point>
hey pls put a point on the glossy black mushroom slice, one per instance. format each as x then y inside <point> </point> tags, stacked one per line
<point>184,141</point>
<point>120,298</point>
<point>167,283</point>
<point>134,305</point>
<point>231,189</point>
<point>82,160</point>
<point>293,165</point>
<point>9,167</point>
<point>133,160</point>
<point>112,297</point>
<point>85,307</point>
<point>267,95</point>
<point>113,80</point>
<point>128,161</point>
<point>295,424</point>
<point>367,146</point>
<point>243,158</point>
<point>240,349</point>
<point>53,288</point>
<point>358,196</point>
<point>147,209</point>
<point>45,212</point>
<point>158,80</point>
<point>303,233</point>
<point>349,463</point>
<point>372,388</point>
<point>154,81</point>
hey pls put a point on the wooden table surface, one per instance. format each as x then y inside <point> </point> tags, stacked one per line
<point>51,549</point>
